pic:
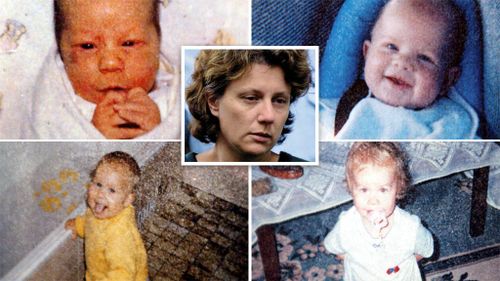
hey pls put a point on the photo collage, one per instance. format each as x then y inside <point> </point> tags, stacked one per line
<point>147,140</point>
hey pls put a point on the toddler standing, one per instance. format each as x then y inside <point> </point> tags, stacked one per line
<point>376,239</point>
<point>114,249</point>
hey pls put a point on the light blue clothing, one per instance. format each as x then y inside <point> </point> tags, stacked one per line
<point>363,261</point>
<point>343,51</point>
<point>448,117</point>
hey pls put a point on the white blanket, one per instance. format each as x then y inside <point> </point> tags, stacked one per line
<point>57,112</point>
<point>449,117</point>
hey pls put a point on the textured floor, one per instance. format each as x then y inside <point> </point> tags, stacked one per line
<point>197,236</point>
<point>482,271</point>
<point>193,233</point>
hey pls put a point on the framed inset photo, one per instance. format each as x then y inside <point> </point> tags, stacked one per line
<point>247,105</point>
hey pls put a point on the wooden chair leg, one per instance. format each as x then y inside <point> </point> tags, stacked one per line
<point>478,204</point>
<point>269,252</point>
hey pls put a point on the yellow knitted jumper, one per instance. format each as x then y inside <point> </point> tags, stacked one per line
<point>113,247</point>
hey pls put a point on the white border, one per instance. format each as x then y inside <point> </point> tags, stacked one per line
<point>249,222</point>
<point>316,105</point>
<point>250,22</point>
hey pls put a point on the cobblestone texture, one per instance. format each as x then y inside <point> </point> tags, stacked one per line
<point>189,232</point>
<point>193,235</point>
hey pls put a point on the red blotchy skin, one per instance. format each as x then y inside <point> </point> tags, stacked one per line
<point>283,172</point>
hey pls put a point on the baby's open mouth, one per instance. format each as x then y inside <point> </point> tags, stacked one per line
<point>99,208</point>
<point>397,81</point>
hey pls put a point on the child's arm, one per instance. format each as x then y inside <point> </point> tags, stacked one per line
<point>333,242</point>
<point>70,225</point>
<point>76,226</point>
<point>424,244</point>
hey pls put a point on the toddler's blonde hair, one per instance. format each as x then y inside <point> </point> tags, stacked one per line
<point>382,154</point>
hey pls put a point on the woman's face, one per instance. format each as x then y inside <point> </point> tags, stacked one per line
<point>252,112</point>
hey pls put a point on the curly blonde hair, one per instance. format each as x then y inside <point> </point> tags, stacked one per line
<point>215,69</point>
<point>124,160</point>
<point>383,154</point>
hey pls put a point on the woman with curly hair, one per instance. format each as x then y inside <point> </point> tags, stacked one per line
<point>240,100</point>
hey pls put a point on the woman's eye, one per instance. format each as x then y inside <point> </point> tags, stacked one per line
<point>128,43</point>
<point>281,101</point>
<point>87,46</point>
<point>392,47</point>
<point>112,190</point>
<point>384,190</point>
<point>363,190</point>
<point>98,184</point>
<point>250,98</point>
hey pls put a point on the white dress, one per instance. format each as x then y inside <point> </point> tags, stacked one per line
<point>368,259</point>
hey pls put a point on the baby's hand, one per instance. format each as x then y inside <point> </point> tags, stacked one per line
<point>70,225</point>
<point>107,120</point>
<point>139,109</point>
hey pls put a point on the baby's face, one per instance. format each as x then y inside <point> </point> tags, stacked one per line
<point>374,190</point>
<point>403,61</point>
<point>110,191</point>
<point>109,46</point>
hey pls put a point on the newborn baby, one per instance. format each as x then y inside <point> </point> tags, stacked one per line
<point>107,78</point>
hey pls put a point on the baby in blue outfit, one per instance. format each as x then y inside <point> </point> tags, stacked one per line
<point>411,61</point>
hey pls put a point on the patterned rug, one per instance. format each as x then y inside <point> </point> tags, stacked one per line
<point>483,269</point>
<point>444,207</point>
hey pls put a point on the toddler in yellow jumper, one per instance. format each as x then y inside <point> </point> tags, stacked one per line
<point>114,249</point>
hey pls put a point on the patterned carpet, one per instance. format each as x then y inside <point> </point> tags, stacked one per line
<point>486,269</point>
<point>444,207</point>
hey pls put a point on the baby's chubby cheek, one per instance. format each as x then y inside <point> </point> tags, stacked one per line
<point>145,81</point>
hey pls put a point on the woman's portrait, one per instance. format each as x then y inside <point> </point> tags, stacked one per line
<point>243,103</point>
